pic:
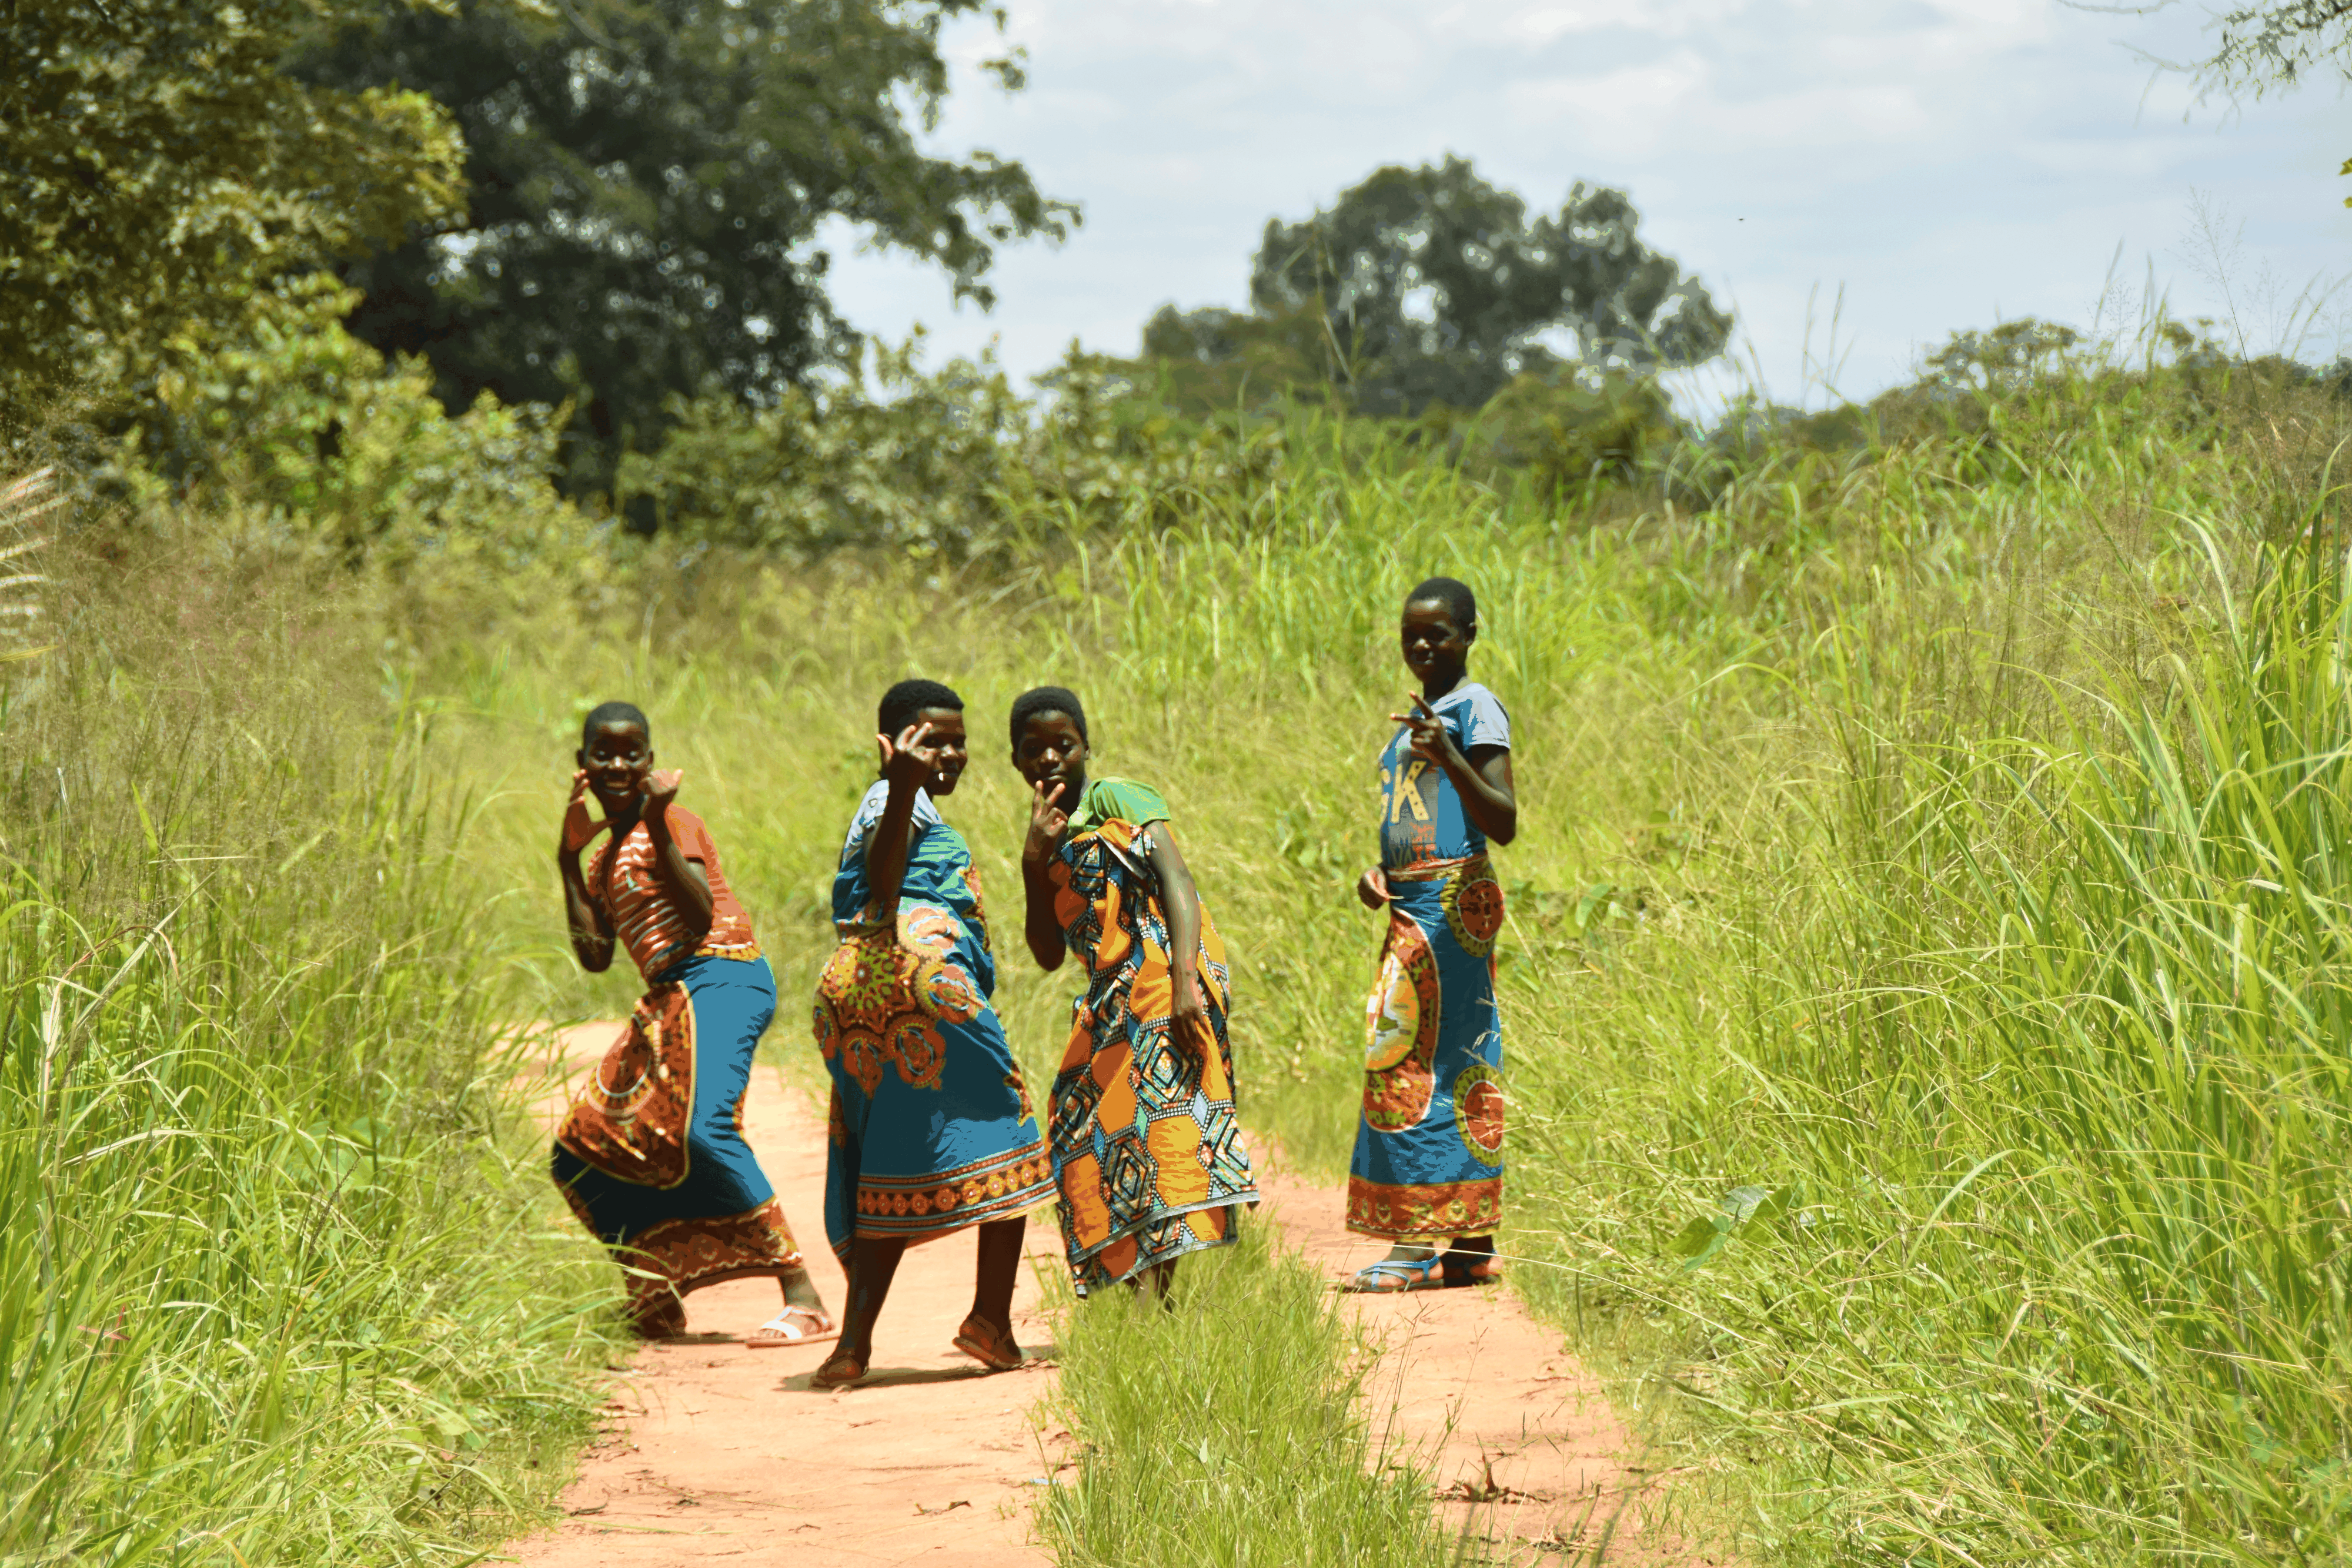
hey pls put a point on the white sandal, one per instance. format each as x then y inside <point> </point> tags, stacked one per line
<point>794,1325</point>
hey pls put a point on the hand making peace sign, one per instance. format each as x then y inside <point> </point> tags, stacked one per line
<point>1047,821</point>
<point>660,789</point>
<point>1430,739</point>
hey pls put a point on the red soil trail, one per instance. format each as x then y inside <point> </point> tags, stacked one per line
<point>1520,1440</point>
<point>715,1452</point>
<point>712,1451</point>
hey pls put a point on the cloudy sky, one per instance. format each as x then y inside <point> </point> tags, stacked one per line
<point>1943,163</point>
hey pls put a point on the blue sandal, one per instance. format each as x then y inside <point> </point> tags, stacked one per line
<point>1409,1274</point>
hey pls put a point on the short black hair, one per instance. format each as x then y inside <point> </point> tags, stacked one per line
<point>1459,601</point>
<point>1047,699</point>
<point>612,713</point>
<point>902,702</point>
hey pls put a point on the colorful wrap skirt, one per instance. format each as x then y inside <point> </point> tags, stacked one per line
<point>1429,1150</point>
<point>652,1156</point>
<point>930,1128</point>
<point>1146,1141</point>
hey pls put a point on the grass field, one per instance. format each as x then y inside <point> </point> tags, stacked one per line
<point>1921,986</point>
<point>276,1284</point>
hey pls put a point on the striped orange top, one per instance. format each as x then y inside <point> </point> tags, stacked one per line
<point>644,916</point>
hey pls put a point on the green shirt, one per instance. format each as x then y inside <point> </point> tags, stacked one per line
<point>1122,799</point>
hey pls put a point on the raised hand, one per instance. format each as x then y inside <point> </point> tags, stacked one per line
<point>661,789</point>
<point>907,760</point>
<point>579,827</point>
<point>1373,887</point>
<point>1047,821</point>
<point>1430,739</point>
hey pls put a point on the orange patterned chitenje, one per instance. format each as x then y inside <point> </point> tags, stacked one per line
<point>1149,1154</point>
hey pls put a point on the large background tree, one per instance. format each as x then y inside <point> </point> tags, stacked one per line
<point>160,170</point>
<point>1430,285</point>
<point>645,179</point>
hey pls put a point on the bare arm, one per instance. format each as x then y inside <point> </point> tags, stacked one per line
<point>906,763</point>
<point>1483,777</point>
<point>1488,798</point>
<point>1047,823</point>
<point>686,880</point>
<point>592,934</point>
<point>1180,901</point>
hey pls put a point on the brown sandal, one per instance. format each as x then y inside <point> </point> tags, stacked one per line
<point>841,1369</point>
<point>979,1341</point>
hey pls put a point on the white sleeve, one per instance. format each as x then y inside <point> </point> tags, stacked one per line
<point>1486,724</point>
<point>869,812</point>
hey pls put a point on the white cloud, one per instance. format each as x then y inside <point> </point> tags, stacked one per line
<point>1937,158</point>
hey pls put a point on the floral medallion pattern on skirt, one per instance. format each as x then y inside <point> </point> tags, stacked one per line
<point>929,1128</point>
<point>1428,1149</point>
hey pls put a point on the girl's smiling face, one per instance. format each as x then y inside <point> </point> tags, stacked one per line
<point>1436,647</point>
<point>619,755</point>
<point>948,734</point>
<point>1053,750</point>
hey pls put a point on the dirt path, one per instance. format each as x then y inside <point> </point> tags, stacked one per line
<point>712,1451</point>
<point>1523,1444</point>
<point>715,1452</point>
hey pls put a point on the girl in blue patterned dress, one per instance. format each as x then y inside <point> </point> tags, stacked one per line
<point>931,1129</point>
<point>1428,1164</point>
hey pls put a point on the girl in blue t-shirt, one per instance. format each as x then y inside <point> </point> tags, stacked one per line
<point>1428,1164</point>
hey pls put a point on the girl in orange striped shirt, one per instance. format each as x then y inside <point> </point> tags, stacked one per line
<point>652,1156</point>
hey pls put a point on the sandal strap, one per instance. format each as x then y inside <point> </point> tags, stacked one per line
<point>1404,1269</point>
<point>787,1324</point>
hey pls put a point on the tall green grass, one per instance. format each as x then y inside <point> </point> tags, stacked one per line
<point>2014,1164</point>
<point>276,1284</point>
<point>1233,1428</point>
<point>1919,987</point>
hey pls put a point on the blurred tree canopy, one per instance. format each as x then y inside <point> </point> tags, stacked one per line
<point>1431,285</point>
<point>643,181</point>
<point>161,171</point>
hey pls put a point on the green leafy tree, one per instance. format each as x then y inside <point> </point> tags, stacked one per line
<point>1430,285</point>
<point>645,181</point>
<point>160,168</point>
<point>1211,361</point>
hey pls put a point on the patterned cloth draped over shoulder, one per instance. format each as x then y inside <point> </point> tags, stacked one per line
<point>1428,1162</point>
<point>930,1128</point>
<point>652,1157</point>
<point>1146,1142</point>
